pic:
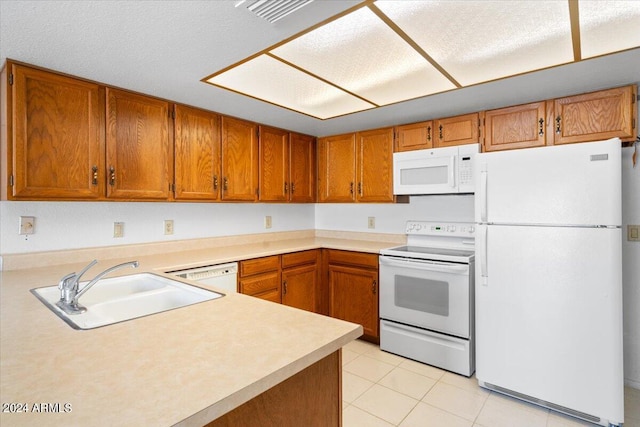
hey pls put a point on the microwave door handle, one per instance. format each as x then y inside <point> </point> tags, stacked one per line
<point>423,265</point>
<point>452,171</point>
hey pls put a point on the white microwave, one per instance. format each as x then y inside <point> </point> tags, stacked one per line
<point>435,170</point>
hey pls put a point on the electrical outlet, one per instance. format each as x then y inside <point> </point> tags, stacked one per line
<point>118,229</point>
<point>27,224</point>
<point>267,221</point>
<point>168,226</point>
<point>633,233</point>
<point>371,222</point>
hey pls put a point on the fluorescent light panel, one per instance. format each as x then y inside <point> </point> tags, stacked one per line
<point>358,62</point>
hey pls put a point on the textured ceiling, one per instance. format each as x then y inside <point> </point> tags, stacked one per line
<point>164,48</point>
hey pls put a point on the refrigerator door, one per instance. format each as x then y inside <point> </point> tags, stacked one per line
<point>549,315</point>
<point>575,184</point>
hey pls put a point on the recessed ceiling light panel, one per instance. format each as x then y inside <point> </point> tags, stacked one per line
<point>273,81</point>
<point>479,41</point>
<point>361,54</point>
<point>608,26</point>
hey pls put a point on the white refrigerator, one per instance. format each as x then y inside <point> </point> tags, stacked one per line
<point>549,277</point>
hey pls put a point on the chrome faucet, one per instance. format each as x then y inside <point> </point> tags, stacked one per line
<point>69,286</point>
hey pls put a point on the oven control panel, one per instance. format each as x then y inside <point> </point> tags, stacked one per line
<point>426,228</point>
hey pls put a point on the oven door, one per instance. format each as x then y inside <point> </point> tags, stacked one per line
<point>425,171</point>
<point>427,294</point>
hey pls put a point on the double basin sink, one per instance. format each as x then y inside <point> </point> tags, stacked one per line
<point>118,299</point>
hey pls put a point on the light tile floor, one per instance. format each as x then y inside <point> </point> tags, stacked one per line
<point>382,389</point>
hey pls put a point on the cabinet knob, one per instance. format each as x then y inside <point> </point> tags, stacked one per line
<point>428,133</point>
<point>440,128</point>
<point>351,187</point>
<point>225,183</point>
<point>286,187</point>
<point>293,187</point>
<point>284,287</point>
<point>112,176</point>
<point>94,179</point>
<point>373,287</point>
<point>360,189</point>
<point>215,182</point>
<point>558,122</point>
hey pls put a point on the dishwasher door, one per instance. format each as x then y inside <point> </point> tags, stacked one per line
<point>221,276</point>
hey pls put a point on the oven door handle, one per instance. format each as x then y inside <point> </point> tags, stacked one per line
<point>424,265</point>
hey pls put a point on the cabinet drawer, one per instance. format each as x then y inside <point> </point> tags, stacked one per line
<point>259,265</point>
<point>353,258</point>
<point>299,258</point>
<point>262,285</point>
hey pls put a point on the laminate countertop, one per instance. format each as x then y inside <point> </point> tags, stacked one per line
<point>181,367</point>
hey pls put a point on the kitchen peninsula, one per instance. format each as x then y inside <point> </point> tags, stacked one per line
<point>185,367</point>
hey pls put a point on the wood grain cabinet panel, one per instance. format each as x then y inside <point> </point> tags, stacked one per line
<point>139,149</point>
<point>302,168</point>
<point>337,168</point>
<point>522,126</point>
<point>596,116</point>
<point>197,154</point>
<point>375,165</point>
<point>415,136</point>
<point>273,164</point>
<point>260,277</point>
<point>458,130</point>
<point>353,289</point>
<point>239,160</point>
<point>56,142</point>
<point>299,285</point>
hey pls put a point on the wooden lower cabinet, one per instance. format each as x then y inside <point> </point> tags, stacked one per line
<point>353,289</point>
<point>260,277</point>
<point>312,397</point>
<point>300,280</point>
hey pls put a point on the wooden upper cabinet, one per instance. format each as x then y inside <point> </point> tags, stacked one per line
<point>239,160</point>
<point>596,116</point>
<point>139,147</point>
<point>302,168</point>
<point>337,168</point>
<point>375,165</point>
<point>56,142</point>
<point>522,126</point>
<point>273,164</point>
<point>458,130</point>
<point>416,136</point>
<point>197,154</point>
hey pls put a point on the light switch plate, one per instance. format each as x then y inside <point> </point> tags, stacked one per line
<point>118,229</point>
<point>371,222</point>
<point>267,221</point>
<point>168,226</point>
<point>633,233</point>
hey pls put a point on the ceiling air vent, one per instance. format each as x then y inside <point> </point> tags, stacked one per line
<point>273,10</point>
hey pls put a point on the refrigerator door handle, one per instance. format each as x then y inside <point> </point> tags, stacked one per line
<point>484,265</point>
<point>484,181</point>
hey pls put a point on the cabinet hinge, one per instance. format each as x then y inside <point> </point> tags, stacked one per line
<point>11,180</point>
<point>172,114</point>
<point>258,133</point>
<point>10,79</point>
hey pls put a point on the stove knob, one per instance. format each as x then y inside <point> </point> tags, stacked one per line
<point>418,227</point>
<point>472,229</point>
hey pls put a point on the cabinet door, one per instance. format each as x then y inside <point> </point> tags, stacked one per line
<point>239,160</point>
<point>375,165</point>
<point>265,286</point>
<point>58,136</point>
<point>337,168</point>
<point>353,296</point>
<point>457,130</point>
<point>139,149</point>
<point>596,116</point>
<point>416,136</point>
<point>302,168</point>
<point>273,160</point>
<point>197,154</point>
<point>299,287</point>
<point>522,126</point>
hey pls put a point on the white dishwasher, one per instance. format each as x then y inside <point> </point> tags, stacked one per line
<point>221,276</point>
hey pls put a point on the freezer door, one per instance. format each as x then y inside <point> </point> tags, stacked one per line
<point>549,315</point>
<point>575,184</point>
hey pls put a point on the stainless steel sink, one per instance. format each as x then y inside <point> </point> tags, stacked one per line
<point>124,298</point>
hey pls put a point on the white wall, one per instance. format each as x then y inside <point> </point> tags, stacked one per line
<point>71,225</point>
<point>631,267</point>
